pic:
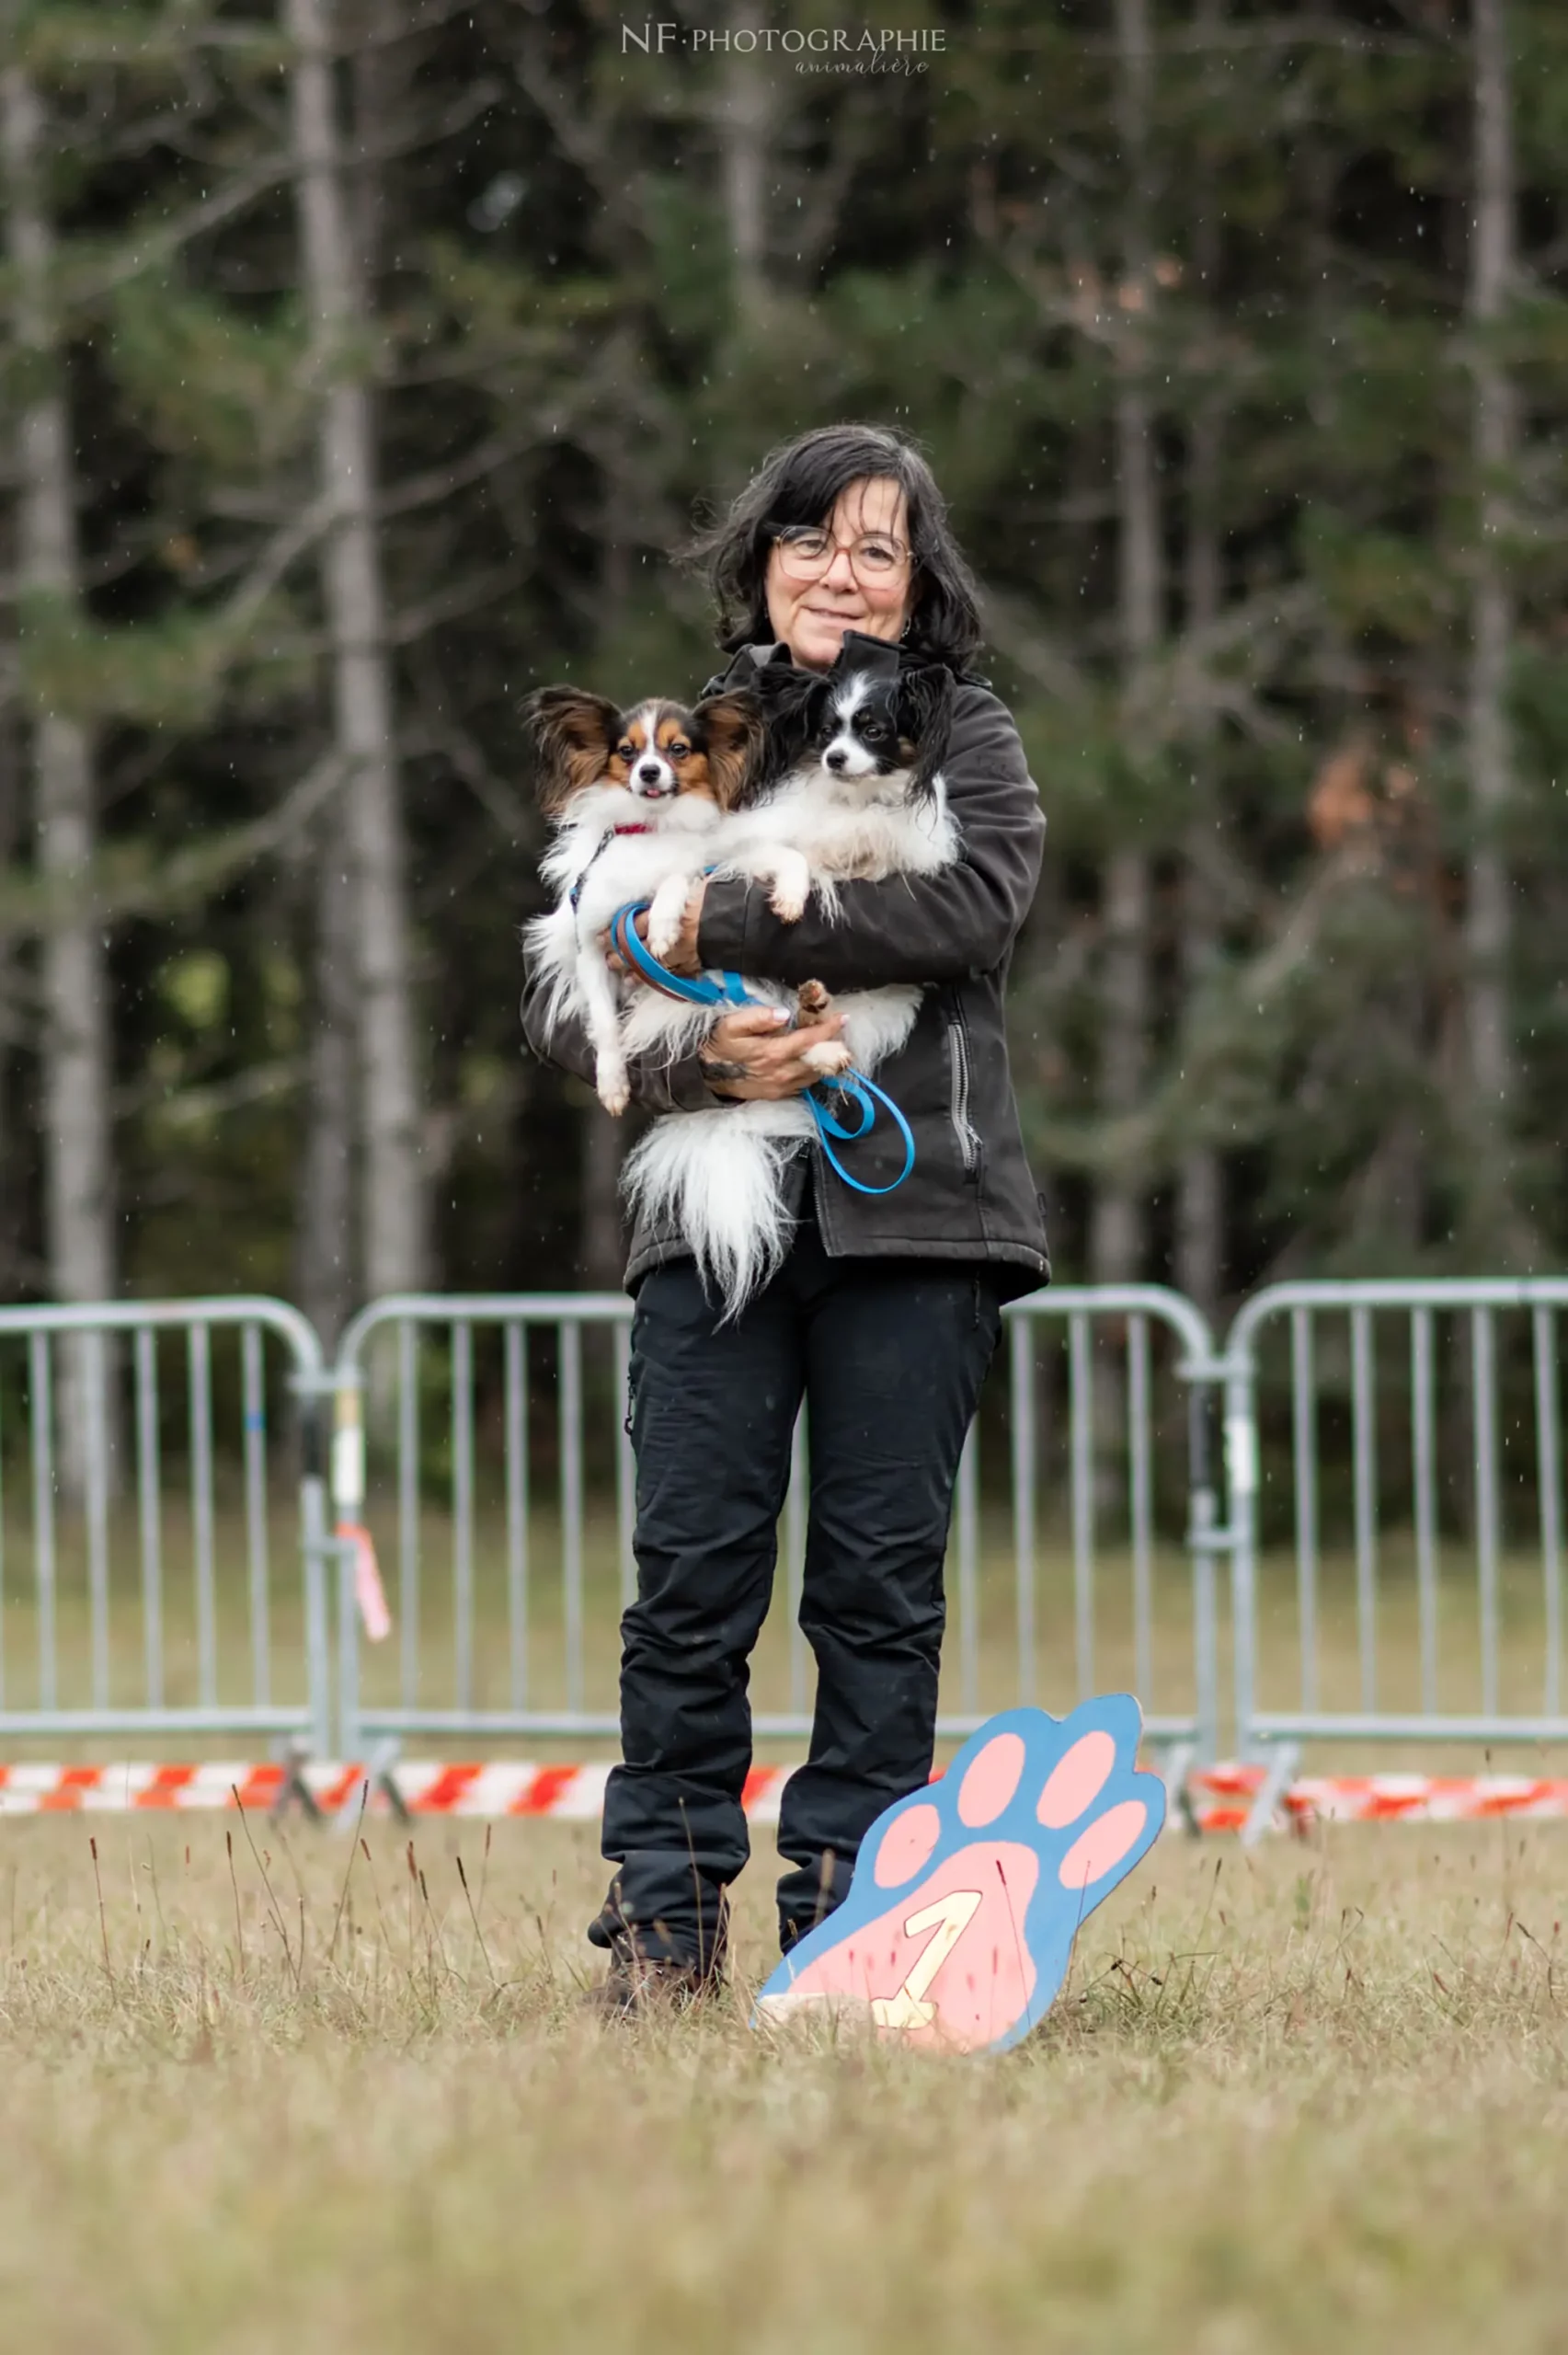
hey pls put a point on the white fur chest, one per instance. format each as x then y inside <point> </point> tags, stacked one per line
<point>614,853</point>
<point>849,830</point>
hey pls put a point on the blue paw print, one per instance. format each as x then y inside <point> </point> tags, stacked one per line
<point>959,1923</point>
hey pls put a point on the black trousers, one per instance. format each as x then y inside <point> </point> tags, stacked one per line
<point>889,1355</point>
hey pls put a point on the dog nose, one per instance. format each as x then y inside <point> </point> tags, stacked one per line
<point>836,760</point>
<point>649,772</point>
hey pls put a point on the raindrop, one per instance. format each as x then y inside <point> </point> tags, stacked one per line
<point>492,210</point>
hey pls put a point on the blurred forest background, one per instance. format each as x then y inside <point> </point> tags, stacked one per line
<point>363,362</point>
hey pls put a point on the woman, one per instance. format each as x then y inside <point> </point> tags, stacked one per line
<point>886,1310</point>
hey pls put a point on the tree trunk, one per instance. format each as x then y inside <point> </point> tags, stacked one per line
<point>393,1209</point>
<point>1118,1226</point>
<point>1492,265</point>
<point>378,79</point>
<point>324,1226</point>
<point>1200,1191</point>
<point>744,121</point>
<point>78,1216</point>
<point>1200,1184</point>
<point>604,1142</point>
<point>12,1144</point>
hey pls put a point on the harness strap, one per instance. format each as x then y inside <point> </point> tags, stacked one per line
<point>602,844</point>
<point>728,989</point>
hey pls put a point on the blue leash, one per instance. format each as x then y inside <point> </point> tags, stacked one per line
<point>728,989</point>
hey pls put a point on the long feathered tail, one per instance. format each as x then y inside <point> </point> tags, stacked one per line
<point>715,1178</point>
<point>550,949</point>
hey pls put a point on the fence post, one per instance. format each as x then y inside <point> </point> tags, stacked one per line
<point>1203,1539</point>
<point>347,1512</point>
<point>315,1551</point>
<point>316,1548</point>
<point>1241,1486</point>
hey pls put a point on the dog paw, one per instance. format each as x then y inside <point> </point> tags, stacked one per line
<point>789,885</point>
<point>831,1057</point>
<point>811,1003</point>
<point>615,1089</point>
<point>668,913</point>
<point>959,1923</point>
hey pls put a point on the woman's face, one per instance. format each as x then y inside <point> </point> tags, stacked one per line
<point>811,609</point>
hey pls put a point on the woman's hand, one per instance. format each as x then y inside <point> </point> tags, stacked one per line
<point>749,1056</point>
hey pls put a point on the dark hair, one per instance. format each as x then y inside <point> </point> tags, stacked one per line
<point>798,482</point>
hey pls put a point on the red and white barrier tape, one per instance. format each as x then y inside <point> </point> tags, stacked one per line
<point>1221,1796</point>
<point>426,1787</point>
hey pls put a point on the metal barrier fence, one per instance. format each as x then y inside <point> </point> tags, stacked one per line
<point>1394,1520</point>
<point>499,1476</point>
<point>191,1644</point>
<point>1459,1451</point>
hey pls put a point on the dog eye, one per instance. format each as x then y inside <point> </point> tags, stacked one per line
<point>627,752</point>
<point>678,751</point>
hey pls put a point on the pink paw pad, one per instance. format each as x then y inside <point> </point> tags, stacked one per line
<point>990,1781</point>
<point>1076,1780</point>
<point>1105,1842</point>
<point>907,1843</point>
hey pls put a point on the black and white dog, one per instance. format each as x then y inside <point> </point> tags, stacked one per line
<point>852,790</point>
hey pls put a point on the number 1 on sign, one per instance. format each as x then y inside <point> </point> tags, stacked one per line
<point>950,1917</point>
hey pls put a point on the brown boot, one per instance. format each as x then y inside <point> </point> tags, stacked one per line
<point>640,1985</point>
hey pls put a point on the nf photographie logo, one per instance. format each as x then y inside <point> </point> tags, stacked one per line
<point>814,49</point>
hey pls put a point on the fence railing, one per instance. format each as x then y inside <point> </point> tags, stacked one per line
<point>1392,1507</point>
<point>1445,1541</point>
<point>126,1607</point>
<point>502,1588</point>
<point>1130,1393</point>
<point>507,1585</point>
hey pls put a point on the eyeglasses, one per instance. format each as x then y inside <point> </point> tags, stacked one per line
<point>805,551</point>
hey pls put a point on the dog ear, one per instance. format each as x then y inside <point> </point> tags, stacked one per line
<point>925,718</point>
<point>573,735</point>
<point>793,706</point>
<point>879,658</point>
<point>733,733</point>
<point>777,682</point>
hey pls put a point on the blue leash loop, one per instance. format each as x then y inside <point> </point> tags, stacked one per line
<point>728,989</point>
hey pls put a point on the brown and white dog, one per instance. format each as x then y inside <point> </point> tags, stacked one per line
<point>636,798</point>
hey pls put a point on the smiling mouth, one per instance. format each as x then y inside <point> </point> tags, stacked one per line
<point>653,792</point>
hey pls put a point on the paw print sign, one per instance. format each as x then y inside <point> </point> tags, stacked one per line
<point>960,1919</point>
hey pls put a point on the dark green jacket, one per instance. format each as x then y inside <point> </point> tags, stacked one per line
<point>969,1196</point>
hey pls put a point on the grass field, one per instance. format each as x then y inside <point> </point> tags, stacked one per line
<point>1313,2099</point>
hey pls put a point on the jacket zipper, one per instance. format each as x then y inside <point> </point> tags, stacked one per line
<point>958,1108</point>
